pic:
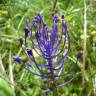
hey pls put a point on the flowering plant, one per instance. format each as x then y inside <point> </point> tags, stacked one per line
<point>50,45</point>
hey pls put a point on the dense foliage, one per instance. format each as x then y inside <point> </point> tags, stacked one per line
<point>14,79</point>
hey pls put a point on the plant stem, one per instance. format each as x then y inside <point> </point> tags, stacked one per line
<point>84,40</point>
<point>52,84</point>
<point>54,5</point>
<point>2,69</point>
<point>11,71</point>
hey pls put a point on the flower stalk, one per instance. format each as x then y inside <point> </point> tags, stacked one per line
<point>49,45</point>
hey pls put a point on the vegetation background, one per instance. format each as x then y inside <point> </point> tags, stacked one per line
<point>80,16</point>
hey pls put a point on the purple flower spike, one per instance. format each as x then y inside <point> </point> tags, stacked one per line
<point>29,51</point>
<point>62,16</point>
<point>26,32</point>
<point>17,59</point>
<point>27,21</point>
<point>21,41</point>
<point>49,45</point>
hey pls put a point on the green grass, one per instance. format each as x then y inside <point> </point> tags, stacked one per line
<point>13,14</point>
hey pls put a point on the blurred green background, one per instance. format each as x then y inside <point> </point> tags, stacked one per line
<point>16,81</point>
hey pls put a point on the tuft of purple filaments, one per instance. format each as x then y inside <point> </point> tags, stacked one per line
<point>48,42</point>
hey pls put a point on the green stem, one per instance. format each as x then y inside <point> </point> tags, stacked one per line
<point>55,92</point>
<point>84,40</point>
<point>52,87</point>
<point>54,5</point>
<point>52,84</point>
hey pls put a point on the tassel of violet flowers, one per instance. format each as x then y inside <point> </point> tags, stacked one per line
<point>49,44</point>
